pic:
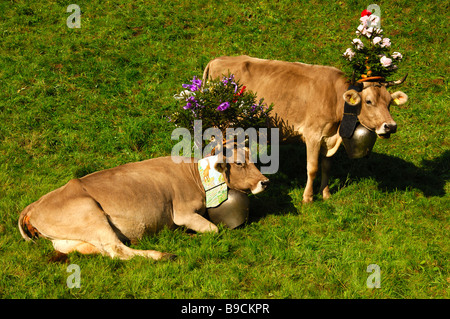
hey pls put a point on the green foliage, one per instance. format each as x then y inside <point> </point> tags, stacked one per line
<point>220,103</point>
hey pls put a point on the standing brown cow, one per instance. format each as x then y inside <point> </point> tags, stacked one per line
<point>310,99</point>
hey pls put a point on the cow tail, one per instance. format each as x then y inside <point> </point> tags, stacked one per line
<point>26,229</point>
<point>206,74</point>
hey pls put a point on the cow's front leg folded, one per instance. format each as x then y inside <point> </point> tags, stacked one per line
<point>200,224</point>
<point>195,222</point>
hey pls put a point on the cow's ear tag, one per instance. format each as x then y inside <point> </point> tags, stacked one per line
<point>352,97</point>
<point>399,98</point>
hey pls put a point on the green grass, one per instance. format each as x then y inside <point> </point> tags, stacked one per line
<point>73,101</point>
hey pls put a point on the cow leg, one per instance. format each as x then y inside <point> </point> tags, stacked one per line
<point>74,221</point>
<point>201,224</point>
<point>312,166</point>
<point>66,246</point>
<point>99,237</point>
<point>117,249</point>
<point>195,222</point>
<point>326,167</point>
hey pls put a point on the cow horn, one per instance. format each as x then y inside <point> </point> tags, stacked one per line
<point>392,83</point>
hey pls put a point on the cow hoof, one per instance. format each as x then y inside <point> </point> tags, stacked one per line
<point>307,200</point>
<point>326,192</point>
<point>326,196</point>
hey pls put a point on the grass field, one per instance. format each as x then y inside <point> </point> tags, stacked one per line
<point>73,101</point>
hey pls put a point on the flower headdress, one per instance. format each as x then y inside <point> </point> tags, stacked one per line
<point>220,103</point>
<point>371,54</point>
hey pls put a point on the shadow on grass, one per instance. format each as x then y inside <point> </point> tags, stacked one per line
<point>390,172</point>
<point>393,173</point>
<point>276,200</point>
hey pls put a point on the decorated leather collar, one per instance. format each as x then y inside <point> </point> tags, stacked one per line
<point>350,118</point>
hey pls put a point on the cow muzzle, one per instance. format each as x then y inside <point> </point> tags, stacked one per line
<point>386,129</point>
<point>261,186</point>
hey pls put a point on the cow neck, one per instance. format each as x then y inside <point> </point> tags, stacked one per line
<point>193,168</point>
<point>350,116</point>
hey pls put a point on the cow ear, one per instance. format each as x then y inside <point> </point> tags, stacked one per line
<point>399,98</point>
<point>220,167</point>
<point>352,97</point>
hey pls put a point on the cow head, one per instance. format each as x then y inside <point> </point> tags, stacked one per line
<point>374,101</point>
<point>240,173</point>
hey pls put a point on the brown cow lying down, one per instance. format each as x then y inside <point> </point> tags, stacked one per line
<point>95,213</point>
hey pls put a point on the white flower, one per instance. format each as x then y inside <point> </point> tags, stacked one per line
<point>385,61</point>
<point>378,31</point>
<point>397,55</point>
<point>349,54</point>
<point>386,43</point>
<point>183,95</point>
<point>358,44</point>
<point>365,31</point>
<point>377,40</point>
<point>360,29</point>
<point>364,21</point>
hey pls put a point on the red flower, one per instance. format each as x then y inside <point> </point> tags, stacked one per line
<point>240,93</point>
<point>242,90</point>
<point>365,13</point>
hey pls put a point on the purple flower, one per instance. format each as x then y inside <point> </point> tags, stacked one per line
<point>223,106</point>
<point>261,106</point>
<point>191,101</point>
<point>195,86</point>
<point>230,79</point>
<point>197,82</point>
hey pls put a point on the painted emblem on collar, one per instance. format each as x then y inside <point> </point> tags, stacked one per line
<point>213,182</point>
